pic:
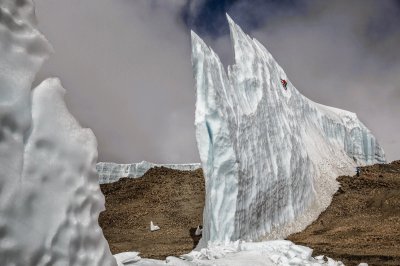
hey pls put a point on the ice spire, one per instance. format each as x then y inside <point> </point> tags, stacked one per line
<point>49,192</point>
<point>270,156</point>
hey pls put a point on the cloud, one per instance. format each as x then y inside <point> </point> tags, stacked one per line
<point>126,64</point>
<point>127,71</point>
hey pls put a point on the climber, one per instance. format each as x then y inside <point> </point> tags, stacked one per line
<point>358,170</point>
<point>284,83</point>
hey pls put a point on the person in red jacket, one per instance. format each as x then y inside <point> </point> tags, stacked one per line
<point>284,83</point>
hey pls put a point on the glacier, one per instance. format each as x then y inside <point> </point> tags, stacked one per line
<point>49,193</point>
<point>49,189</point>
<point>270,155</point>
<point>111,172</point>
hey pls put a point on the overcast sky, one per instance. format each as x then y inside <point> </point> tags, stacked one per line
<point>126,64</point>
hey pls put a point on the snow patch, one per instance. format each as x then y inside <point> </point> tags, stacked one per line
<point>239,253</point>
<point>153,227</point>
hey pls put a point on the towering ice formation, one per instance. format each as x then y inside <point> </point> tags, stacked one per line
<point>49,193</point>
<point>270,156</point>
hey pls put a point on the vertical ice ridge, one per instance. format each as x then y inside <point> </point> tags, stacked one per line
<point>22,10</point>
<point>252,71</point>
<point>23,49</point>
<point>287,149</point>
<point>216,150</point>
<point>49,193</point>
<point>65,212</point>
<point>248,89</point>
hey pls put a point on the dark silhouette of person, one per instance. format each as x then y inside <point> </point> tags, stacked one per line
<point>358,170</point>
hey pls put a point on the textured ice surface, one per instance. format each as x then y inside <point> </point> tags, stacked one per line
<point>49,193</point>
<point>270,156</point>
<point>265,253</point>
<point>112,172</point>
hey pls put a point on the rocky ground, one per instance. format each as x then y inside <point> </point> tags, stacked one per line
<point>172,199</point>
<point>361,225</point>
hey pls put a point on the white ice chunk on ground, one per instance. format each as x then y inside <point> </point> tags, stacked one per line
<point>125,258</point>
<point>49,193</point>
<point>270,156</point>
<point>153,227</point>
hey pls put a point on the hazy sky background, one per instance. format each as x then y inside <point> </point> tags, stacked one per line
<point>126,64</point>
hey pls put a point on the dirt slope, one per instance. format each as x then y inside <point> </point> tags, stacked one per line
<point>172,199</point>
<point>361,225</point>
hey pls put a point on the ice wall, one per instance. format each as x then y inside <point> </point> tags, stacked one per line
<point>49,193</point>
<point>270,156</point>
<point>112,172</point>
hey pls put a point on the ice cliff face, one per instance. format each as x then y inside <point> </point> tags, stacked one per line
<point>270,156</point>
<point>112,172</point>
<point>49,193</point>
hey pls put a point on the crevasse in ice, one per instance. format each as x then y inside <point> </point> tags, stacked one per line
<point>49,193</point>
<point>270,156</point>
